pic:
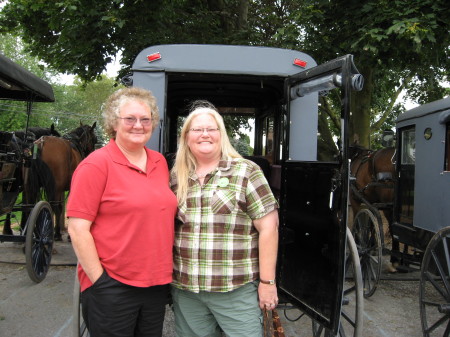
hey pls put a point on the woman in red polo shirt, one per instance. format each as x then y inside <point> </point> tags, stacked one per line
<point>121,213</point>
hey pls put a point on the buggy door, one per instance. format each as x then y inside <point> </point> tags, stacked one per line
<point>314,199</point>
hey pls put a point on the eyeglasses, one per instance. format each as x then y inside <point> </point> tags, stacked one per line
<point>132,120</point>
<point>202,130</point>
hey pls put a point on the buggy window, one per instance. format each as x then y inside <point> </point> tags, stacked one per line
<point>408,152</point>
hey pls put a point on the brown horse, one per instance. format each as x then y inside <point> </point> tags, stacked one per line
<point>55,163</point>
<point>373,173</point>
<point>22,144</point>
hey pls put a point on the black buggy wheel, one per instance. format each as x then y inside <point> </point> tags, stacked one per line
<point>366,232</point>
<point>351,323</point>
<point>78,327</point>
<point>39,241</point>
<point>434,292</point>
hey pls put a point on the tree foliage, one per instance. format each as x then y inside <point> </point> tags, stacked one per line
<point>398,45</point>
<point>79,102</point>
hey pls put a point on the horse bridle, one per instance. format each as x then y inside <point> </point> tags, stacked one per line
<point>77,142</point>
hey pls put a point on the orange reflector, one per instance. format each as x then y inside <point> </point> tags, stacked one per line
<point>153,57</point>
<point>300,63</point>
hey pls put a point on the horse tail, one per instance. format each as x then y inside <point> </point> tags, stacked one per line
<point>41,177</point>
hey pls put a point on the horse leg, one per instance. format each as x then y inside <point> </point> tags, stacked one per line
<point>59,210</point>
<point>7,226</point>
<point>395,249</point>
<point>61,222</point>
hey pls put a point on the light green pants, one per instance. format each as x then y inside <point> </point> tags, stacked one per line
<point>205,314</point>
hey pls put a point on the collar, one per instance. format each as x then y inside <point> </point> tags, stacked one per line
<point>119,158</point>
<point>223,166</point>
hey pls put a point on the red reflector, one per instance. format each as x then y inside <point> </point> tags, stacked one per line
<point>153,57</point>
<point>300,63</point>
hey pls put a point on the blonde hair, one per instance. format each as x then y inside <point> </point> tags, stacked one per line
<point>111,109</point>
<point>185,162</point>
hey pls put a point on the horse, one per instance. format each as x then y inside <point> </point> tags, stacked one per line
<point>54,165</point>
<point>26,138</point>
<point>373,173</point>
<point>21,144</point>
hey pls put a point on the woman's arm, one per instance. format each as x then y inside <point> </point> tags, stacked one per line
<point>267,227</point>
<point>84,247</point>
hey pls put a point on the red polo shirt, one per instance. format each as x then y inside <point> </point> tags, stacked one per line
<point>132,214</point>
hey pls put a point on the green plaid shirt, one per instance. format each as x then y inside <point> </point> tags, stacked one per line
<point>216,244</point>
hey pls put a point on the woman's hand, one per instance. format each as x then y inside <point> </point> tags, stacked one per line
<point>268,296</point>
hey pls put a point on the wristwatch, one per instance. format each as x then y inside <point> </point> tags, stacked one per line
<point>272,282</point>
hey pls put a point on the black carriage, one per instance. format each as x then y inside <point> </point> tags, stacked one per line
<point>18,84</point>
<point>421,216</point>
<point>421,206</point>
<point>318,270</point>
<point>372,180</point>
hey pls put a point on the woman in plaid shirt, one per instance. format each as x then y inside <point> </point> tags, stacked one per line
<point>226,234</point>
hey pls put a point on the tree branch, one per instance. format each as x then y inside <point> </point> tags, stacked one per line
<point>325,106</point>
<point>377,125</point>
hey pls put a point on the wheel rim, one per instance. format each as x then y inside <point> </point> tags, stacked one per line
<point>39,241</point>
<point>434,293</point>
<point>366,232</point>
<point>351,324</point>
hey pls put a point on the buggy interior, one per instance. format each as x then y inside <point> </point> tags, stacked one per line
<point>256,98</point>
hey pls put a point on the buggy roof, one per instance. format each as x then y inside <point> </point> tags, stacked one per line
<point>222,59</point>
<point>425,109</point>
<point>18,84</point>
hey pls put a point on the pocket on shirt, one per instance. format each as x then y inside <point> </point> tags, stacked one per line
<point>223,202</point>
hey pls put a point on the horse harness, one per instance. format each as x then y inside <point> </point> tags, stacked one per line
<point>75,143</point>
<point>378,179</point>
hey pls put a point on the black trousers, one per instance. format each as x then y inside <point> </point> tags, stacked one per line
<point>113,309</point>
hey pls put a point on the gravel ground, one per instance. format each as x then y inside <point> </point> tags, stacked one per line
<point>45,309</point>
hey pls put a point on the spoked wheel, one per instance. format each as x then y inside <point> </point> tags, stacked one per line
<point>39,241</point>
<point>366,232</point>
<point>79,327</point>
<point>434,293</point>
<point>351,324</point>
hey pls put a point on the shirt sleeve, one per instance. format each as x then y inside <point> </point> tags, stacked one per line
<point>259,196</point>
<point>88,184</point>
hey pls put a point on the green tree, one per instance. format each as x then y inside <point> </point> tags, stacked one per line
<point>79,38</point>
<point>79,102</point>
<point>13,114</point>
<point>398,44</point>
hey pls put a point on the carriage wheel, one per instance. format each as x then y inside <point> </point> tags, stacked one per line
<point>366,232</point>
<point>39,241</point>
<point>351,323</point>
<point>434,293</point>
<point>79,327</point>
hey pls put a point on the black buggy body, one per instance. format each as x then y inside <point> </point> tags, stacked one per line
<point>279,88</point>
<point>18,84</point>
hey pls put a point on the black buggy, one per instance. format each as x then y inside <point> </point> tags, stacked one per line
<point>18,84</point>
<point>421,212</point>
<point>318,267</point>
